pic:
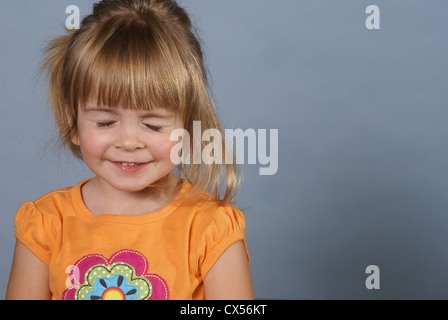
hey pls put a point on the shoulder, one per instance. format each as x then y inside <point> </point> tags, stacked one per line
<point>46,210</point>
<point>205,206</point>
<point>38,224</point>
<point>53,200</point>
<point>58,199</point>
<point>213,212</point>
<point>206,212</point>
<point>214,221</point>
<point>214,227</point>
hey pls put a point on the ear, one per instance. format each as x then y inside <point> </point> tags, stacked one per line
<point>75,139</point>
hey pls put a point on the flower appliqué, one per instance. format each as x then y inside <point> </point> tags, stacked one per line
<point>121,277</point>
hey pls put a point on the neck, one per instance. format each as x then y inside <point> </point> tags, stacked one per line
<point>101,198</point>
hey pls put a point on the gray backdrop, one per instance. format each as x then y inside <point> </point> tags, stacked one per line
<point>363,136</point>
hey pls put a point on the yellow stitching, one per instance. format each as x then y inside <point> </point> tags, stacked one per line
<point>161,280</point>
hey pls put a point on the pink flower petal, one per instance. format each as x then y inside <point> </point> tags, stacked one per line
<point>159,287</point>
<point>134,258</point>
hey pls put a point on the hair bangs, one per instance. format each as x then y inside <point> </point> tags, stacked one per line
<point>131,65</point>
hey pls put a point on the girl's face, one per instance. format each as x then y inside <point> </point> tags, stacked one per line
<point>126,149</point>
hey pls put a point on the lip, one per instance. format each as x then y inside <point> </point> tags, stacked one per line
<point>126,168</point>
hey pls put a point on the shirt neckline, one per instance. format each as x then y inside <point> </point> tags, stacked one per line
<point>131,219</point>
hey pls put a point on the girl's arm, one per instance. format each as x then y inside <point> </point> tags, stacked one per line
<point>229,278</point>
<point>29,276</point>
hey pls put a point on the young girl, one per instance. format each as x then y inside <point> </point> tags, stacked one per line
<point>142,228</point>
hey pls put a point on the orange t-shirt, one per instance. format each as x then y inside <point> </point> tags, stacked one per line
<point>160,255</point>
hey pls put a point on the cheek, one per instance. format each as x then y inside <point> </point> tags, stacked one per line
<point>91,145</point>
<point>167,149</point>
<point>162,149</point>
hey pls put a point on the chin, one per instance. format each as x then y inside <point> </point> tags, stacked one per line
<point>132,188</point>
<point>129,186</point>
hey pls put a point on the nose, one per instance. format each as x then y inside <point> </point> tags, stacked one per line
<point>128,138</point>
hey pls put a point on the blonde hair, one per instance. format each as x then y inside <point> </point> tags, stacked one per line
<point>141,54</point>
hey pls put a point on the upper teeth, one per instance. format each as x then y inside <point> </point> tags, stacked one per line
<point>129,164</point>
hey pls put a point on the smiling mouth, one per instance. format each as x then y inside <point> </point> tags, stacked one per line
<point>130,166</point>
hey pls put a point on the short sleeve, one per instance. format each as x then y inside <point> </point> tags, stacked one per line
<point>221,228</point>
<point>35,230</point>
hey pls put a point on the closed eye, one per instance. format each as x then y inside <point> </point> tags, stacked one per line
<point>153,128</point>
<point>105,124</point>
